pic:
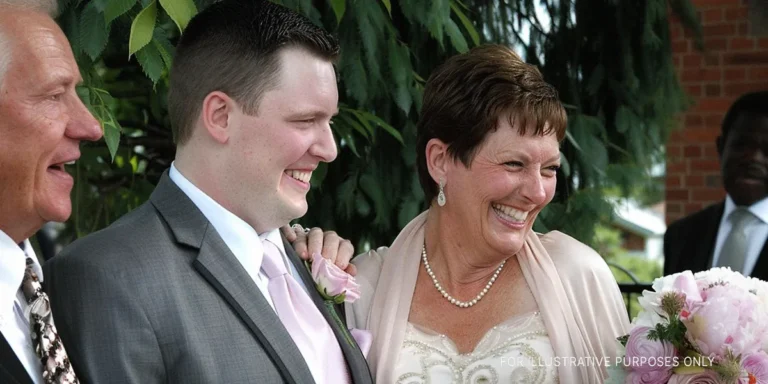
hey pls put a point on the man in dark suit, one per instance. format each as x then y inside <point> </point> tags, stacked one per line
<point>42,122</point>
<point>197,285</point>
<point>734,232</point>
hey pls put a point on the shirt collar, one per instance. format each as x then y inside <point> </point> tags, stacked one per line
<point>274,237</point>
<point>12,265</point>
<point>759,209</point>
<point>238,235</point>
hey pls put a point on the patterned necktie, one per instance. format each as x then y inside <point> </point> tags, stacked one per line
<point>47,344</point>
<point>736,245</point>
<point>304,322</point>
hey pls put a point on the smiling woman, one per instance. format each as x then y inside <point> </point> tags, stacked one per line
<point>493,299</point>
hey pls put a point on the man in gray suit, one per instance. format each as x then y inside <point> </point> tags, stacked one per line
<point>197,285</point>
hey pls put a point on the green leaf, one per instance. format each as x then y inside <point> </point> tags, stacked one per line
<point>354,124</point>
<point>438,16</point>
<point>339,7</point>
<point>142,28</point>
<point>164,46</point>
<point>362,207</point>
<point>467,23</point>
<point>357,80</point>
<point>457,39</point>
<point>399,61</point>
<point>151,61</point>
<point>70,23</point>
<point>180,11</point>
<point>388,5</point>
<point>343,128</point>
<point>565,166</point>
<point>372,188</point>
<point>572,140</point>
<point>112,136</point>
<point>364,121</point>
<point>595,80</point>
<point>403,98</point>
<point>371,26</point>
<point>625,120</point>
<point>346,197</point>
<point>383,124</point>
<point>408,210</point>
<point>94,32</point>
<point>100,102</point>
<point>116,8</point>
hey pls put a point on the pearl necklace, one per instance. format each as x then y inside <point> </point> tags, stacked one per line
<point>458,303</point>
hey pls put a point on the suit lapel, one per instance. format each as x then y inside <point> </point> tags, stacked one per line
<point>760,270</point>
<point>704,251</point>
<point>216,263</point>
<point>356,362</point>
<point>11,369</point>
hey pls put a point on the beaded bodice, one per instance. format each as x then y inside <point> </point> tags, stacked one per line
<point>515,351</point>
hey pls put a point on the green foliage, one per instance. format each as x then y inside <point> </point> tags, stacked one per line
<point>644,270</point>
<point>180,11</point>
<point>616,78</point>
<point>674,332</point>
<point>142,28</point>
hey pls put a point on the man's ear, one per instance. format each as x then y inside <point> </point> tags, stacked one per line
<point>216,114</point>
<point>720,143</point>
<point>438,159</point>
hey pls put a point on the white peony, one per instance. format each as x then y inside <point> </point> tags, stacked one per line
<point>650,301</point>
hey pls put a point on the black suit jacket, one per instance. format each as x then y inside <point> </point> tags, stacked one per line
<point>689,243</point>
<point>11,370</point>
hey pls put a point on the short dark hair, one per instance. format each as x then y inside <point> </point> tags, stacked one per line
<point>232,46</point>
<point>465,97</point>
<point>751,103</point>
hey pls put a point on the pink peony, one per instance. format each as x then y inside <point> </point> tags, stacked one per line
<point>686,284</point>
<point>706,377</point>
<point>333,280</point>
<point>755,365</point>
<point>728,319</point>
<point>643,355</point>
<point>651,377</point>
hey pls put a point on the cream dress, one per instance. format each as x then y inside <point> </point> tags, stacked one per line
<point>515,351</point>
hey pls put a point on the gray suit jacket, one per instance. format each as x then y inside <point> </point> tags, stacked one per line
<point>157,297</point>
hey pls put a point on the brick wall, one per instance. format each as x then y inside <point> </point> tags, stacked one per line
<point>734,61</point>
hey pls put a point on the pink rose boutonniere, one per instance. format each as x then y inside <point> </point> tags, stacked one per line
<point>332,282</point>
<point>337,287</point>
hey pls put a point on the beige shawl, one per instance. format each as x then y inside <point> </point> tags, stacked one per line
<point>578,299</point>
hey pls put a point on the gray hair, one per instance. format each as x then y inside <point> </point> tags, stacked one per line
<point>49,7</point>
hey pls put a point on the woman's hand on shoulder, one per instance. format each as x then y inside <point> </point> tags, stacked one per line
<point>331,246</point>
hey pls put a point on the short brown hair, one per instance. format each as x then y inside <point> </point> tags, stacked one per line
<point>465,97</point>
<point>232,46</point>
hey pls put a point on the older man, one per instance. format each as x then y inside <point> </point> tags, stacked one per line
<point>42,122</point>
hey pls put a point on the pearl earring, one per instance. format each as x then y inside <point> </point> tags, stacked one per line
<point>441,194</point>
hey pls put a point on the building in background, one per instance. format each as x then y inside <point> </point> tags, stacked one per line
<point>641,229</point>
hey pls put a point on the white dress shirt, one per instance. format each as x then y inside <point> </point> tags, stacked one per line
<point>757,232</point>
<point>13,324</point>
<point>238,235</point>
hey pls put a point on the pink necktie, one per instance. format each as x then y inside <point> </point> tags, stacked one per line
<point>304,322</point>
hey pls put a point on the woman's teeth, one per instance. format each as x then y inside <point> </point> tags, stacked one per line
<point>510,213</point>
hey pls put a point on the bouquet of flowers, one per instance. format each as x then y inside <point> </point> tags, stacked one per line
<point>710,327</point>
